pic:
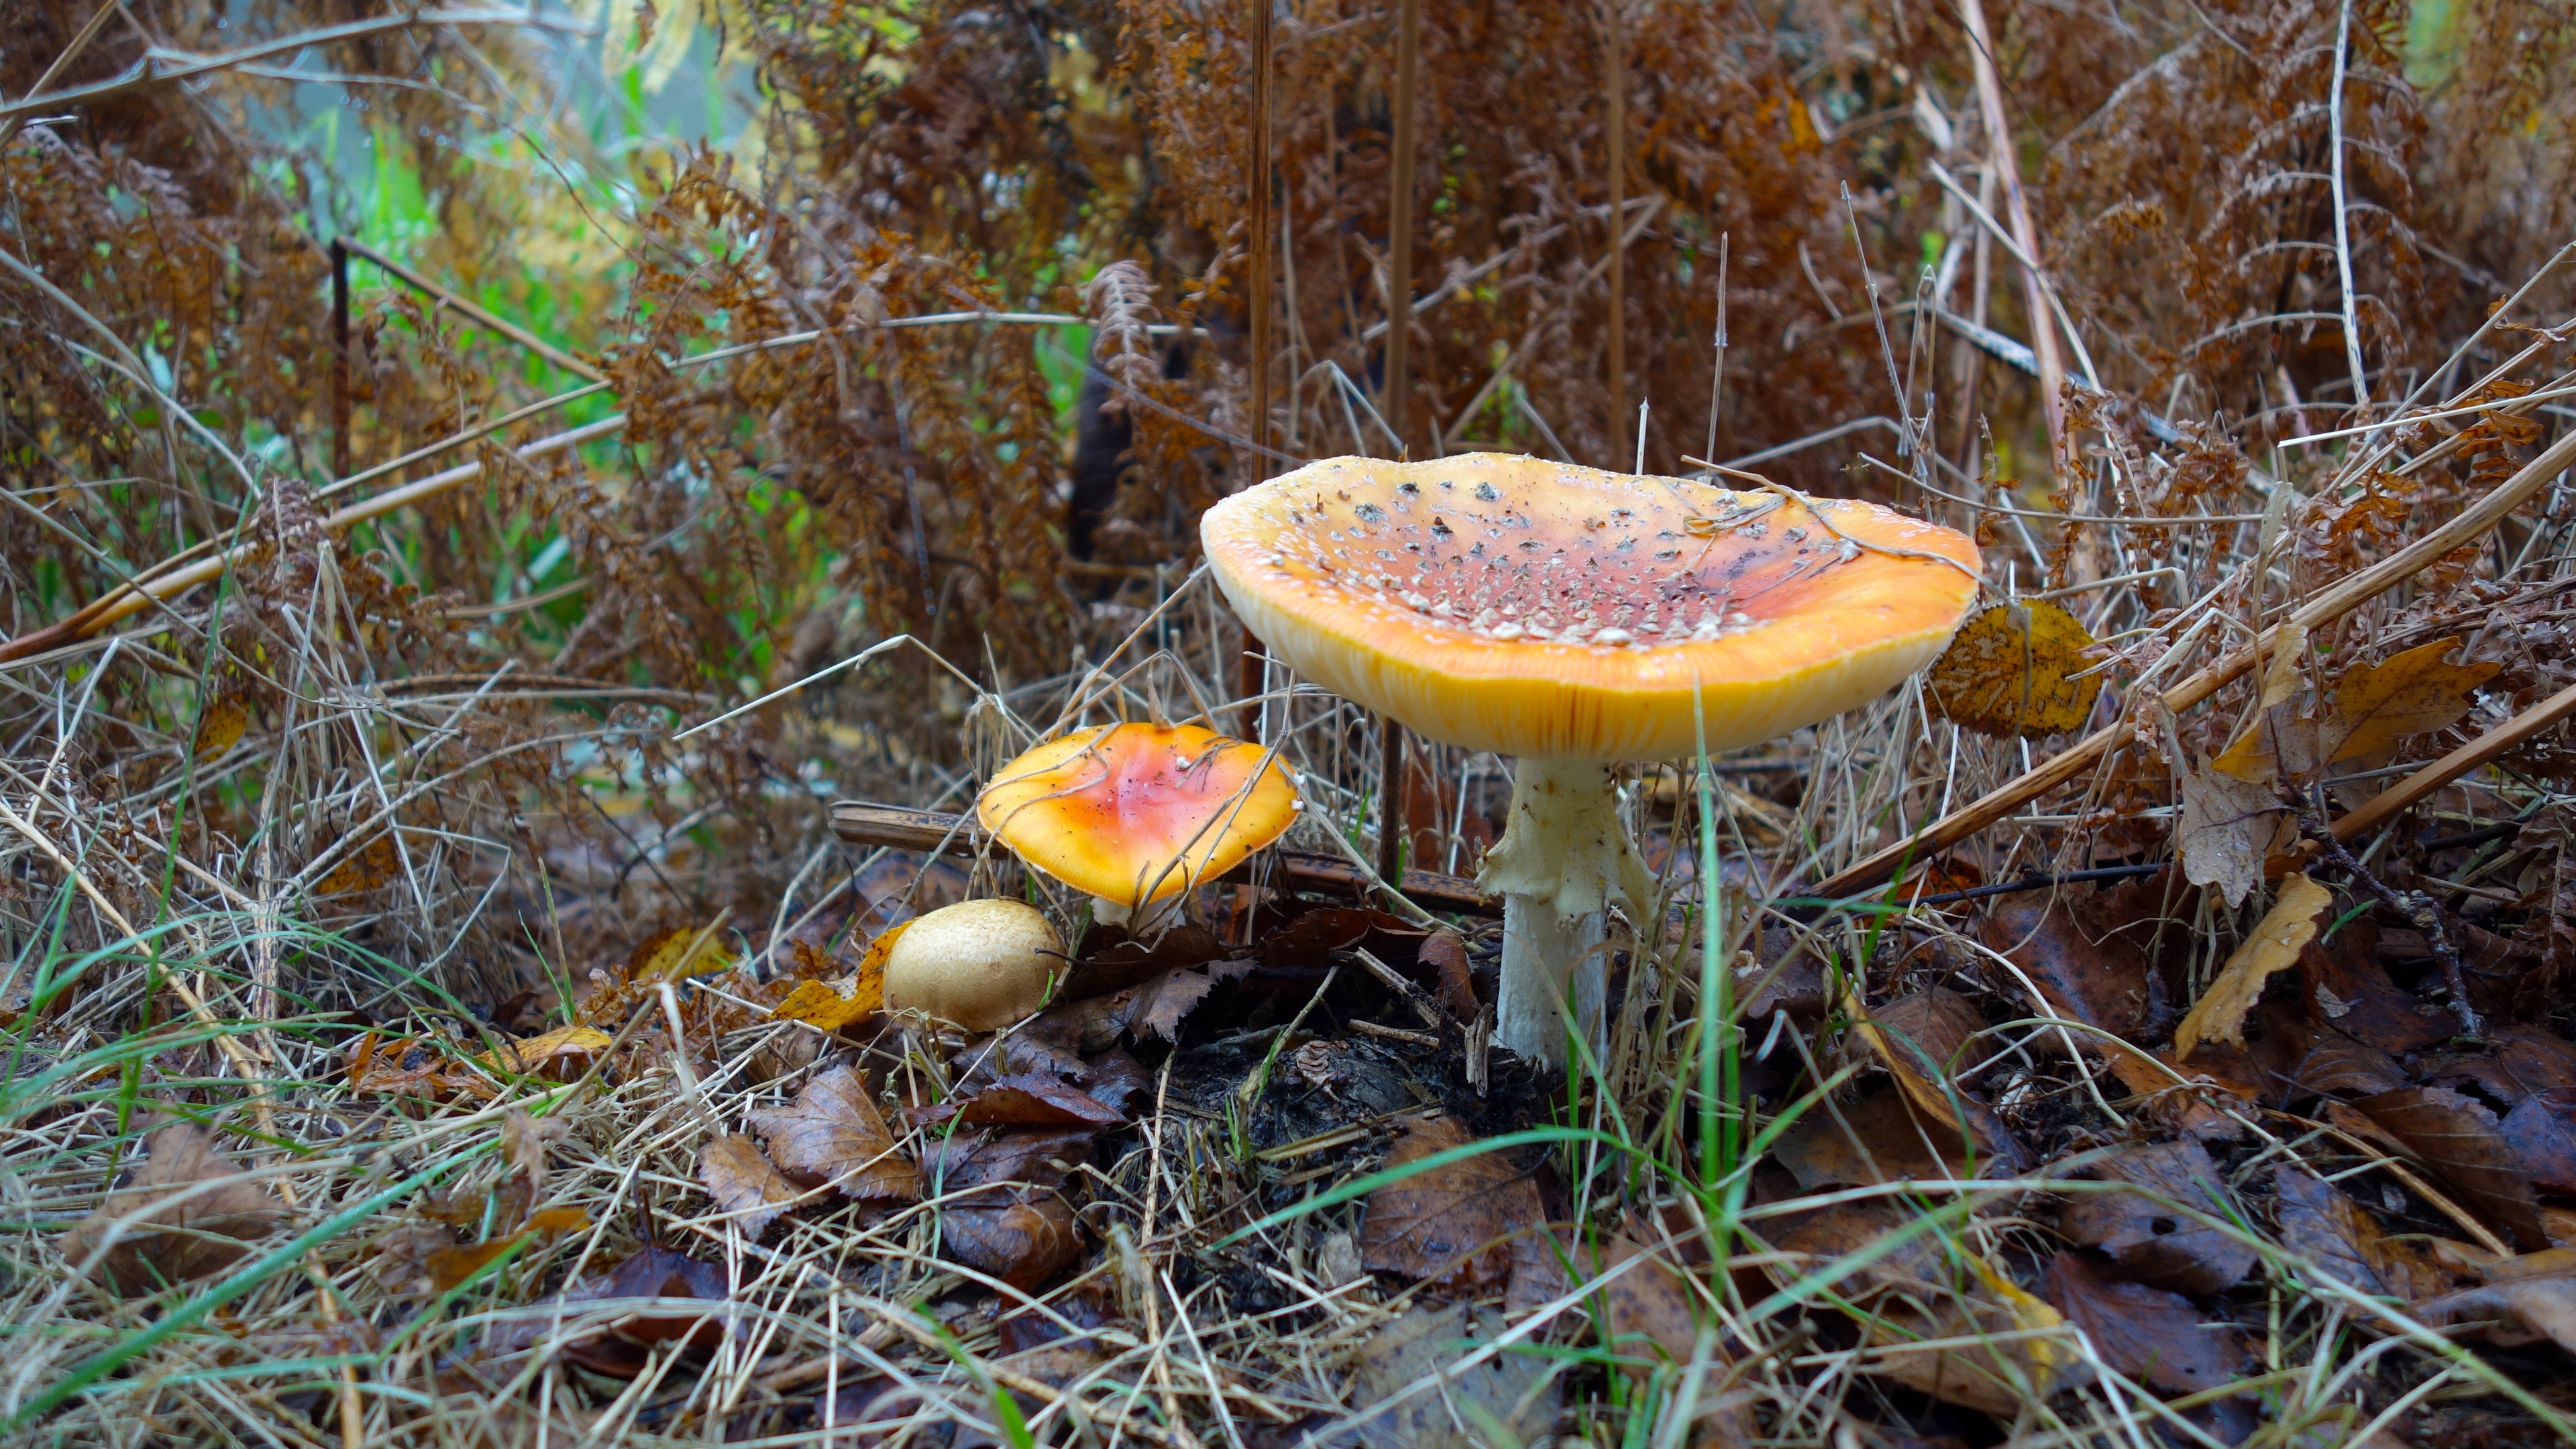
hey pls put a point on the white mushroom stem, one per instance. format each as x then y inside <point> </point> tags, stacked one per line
<point>1563,856</point>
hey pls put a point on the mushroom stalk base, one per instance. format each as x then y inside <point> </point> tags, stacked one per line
<point>1563,856</point>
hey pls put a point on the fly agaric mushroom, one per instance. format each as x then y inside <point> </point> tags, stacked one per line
<point>1572,619</point>
<point>1131,814</point>
<point>980,965</point>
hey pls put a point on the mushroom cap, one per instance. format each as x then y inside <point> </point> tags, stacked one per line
<point>1132,813</point>
<point>1543,610</point>
<point>981,965</point>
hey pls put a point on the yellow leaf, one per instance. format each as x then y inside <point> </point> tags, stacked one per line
<point>2378,705</point>
<point>533,1052</point>
<point>818,1003</point>
<point>373,865</point>
<point>2282,674</point>
<point>2375,706</point>
<point>558,1220</point>
<point>678,954</point>
<point>219,728</point>
<point>2011,671</point>
<point>2284,931</point>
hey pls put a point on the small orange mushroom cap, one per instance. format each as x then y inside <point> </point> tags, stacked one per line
<point>1135,812</point>
<point>1543,610</point>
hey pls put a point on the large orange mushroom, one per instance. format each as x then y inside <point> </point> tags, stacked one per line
<point>1134,814</point>
<point>1573,619</point>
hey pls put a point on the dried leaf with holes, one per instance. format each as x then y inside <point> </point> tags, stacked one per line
<point>2012,671</point>
<point>834,1134</point>
<point>1448,1225</point>
<point>219,728</point>
<point>833,1006</point>
<point>184,1211</point>
<point>2158,1231</point>
<point>2275,944</point>
<point>743,1183</point>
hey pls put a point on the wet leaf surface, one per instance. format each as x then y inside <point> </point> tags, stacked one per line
<point>1444,955</point>
<point>835,1134</point>
<point>1155,1009</point>
<point>1037,1100</point>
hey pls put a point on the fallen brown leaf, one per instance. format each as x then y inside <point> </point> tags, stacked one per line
<point>2460,1142</point>
<point>625,1350</point>
<point>742,1182</point>
<point>2148,1233</point>
<point>2225,828</point>
<point>2100,978</point>
<point>2290,925</point>
<point>834,1134</point>
<point>1023,1243</point>
<point>2516,1311</point>
<point>1155,1008</point>
<point>1873,1140</point>
<point>2338,1066</point>
<point>1922,1039</point>
<point>185,1211</point>
<point>1444,953</point>
<point>1447,1225</point>
<point>1652,1313</point>
<point>2145,1333</point>
<point>1028,1157</point>
<point>2542,1133</point>
<point>2349,991</point>
<point>1037,1099</point>
<point>2322,1224</point>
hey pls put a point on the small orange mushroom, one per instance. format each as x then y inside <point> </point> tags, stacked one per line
<point>1131,814</point>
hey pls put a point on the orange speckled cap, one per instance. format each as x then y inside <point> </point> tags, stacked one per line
<point>1135,812</point>
<point>1542,610</point>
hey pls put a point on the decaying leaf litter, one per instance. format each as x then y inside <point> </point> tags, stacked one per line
<point>413,1038</point>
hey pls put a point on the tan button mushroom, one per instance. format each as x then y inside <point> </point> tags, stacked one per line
<point>1131,814</point>
<point>1573,619</point>
<point>980,965</point>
